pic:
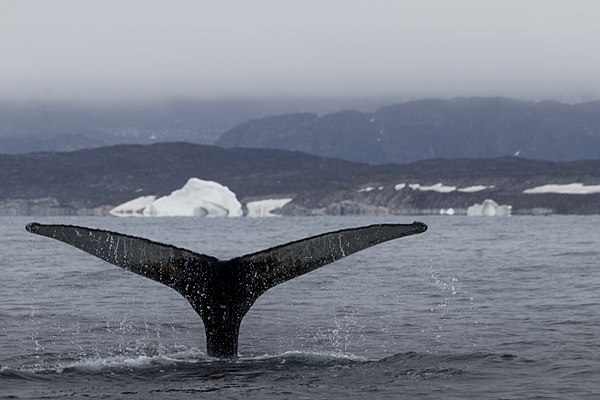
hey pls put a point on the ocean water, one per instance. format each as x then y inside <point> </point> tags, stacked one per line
<point>475,308</point>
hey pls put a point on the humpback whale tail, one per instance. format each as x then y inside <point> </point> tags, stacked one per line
<point>222,292</point>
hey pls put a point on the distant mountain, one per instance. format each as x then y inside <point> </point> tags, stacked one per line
<point>418,130</point>
<point>30,144</point>
<point>93,181</point>
<point>64,126</point>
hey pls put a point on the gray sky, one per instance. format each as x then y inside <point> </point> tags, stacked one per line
<point>61,49</point>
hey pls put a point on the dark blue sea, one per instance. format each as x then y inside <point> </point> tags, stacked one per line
<point>474,308</point>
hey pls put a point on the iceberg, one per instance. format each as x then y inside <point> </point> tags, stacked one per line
<point>197,198</point>
<point>569,188</point>
<point>447,211</point>
<point>489,208</point>
<point>132,208</point>
<point>265,208</point>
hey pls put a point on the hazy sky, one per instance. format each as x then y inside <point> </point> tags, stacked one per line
<point>61,49</point>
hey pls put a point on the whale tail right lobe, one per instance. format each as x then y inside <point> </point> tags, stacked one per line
<point>222,292</point>
<point>270,267</point>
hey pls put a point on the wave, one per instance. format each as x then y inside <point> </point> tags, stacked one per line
<point>446,357</point>
<point>583,253</point>
<point>192,360</point>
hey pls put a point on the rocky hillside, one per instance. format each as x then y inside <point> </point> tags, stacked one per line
<point>418,130</point>
<point>104,177</point>
<point>94,181</point>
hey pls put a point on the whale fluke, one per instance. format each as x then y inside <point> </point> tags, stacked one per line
<point>222,292</point>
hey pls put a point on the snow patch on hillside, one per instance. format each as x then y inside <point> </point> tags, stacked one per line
<point>474,189</point>
<point>369,189</point>
<point>569,188</point>
<point>441,188</point>
<point>438,187</point>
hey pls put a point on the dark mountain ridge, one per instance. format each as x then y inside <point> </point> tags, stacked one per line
<point>111,175</point>
<point>93,181</point>
<point>426,129</point>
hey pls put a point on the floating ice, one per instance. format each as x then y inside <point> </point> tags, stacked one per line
<point>569,188</point>
<point>400,186</point>
<point>489,208</point>
<point>198,198</point>
<point>133,207</point>
<point>265,208</point>
<point>447,211</point>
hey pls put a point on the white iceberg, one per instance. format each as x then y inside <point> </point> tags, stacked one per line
<point>198,198</point>
<point>265,208</point>
<point>400,186</point>
<point>447,211</point>
<point>489,208</point>
<point>569,188</point>
<point>133,207</point>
